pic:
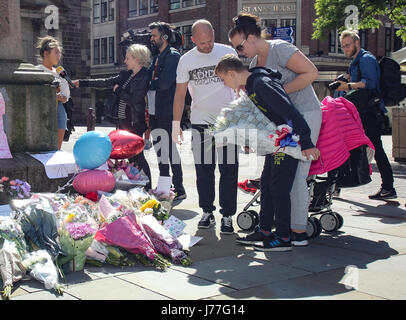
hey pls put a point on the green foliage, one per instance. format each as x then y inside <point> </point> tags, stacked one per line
<point>331,15</point>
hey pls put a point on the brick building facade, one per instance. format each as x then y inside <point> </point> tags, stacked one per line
<point>298,14</point>
<point>73,32</point>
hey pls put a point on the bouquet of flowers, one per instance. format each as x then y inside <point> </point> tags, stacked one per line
<point>16,188</point>
<point>38,222</point>
<point>148,204</point>
<point>131,172</point>
<point>12,251</point>
<point>127,233</point>
<point>242,123</point>
<point>75,238</point>
<point>163,241</point>
<point>43,269</point>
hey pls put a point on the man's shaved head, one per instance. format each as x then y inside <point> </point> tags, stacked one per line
<point>203,35</point>
<point>201,25</point>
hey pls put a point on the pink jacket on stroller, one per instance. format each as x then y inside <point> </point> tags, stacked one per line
<point>341,131</point>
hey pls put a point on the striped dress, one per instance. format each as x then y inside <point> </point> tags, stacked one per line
<point>122,104</point>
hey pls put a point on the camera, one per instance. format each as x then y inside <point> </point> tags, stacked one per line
<point>143,37</point>
<point>334,85</point>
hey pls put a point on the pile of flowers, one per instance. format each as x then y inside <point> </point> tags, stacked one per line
<point>52,234</point>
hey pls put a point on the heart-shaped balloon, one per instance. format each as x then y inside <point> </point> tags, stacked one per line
<point>125,144</point>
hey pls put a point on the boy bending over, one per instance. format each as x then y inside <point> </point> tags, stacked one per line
<point>265,90</point>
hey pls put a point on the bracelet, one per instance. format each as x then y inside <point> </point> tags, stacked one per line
<point>349,86</point>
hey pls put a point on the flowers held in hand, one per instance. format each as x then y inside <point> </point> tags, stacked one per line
<point>256,131</point>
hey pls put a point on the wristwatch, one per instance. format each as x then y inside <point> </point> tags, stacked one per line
<point>349,87</point>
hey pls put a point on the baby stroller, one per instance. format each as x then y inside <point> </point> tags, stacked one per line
<point>321,191</point>
<point>352,173</point>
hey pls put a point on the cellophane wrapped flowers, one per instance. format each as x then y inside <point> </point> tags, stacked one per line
<point>75,238</point>
<point>242,123</point>
<point>12,251</point>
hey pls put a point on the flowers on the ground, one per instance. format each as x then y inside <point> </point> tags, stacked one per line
<point>12,251</point>
<point>15,188</point>
<point>75,238</point>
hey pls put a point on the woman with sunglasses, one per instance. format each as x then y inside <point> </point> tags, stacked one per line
<point>298,74</point>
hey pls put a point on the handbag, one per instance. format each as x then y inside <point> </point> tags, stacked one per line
<point>355,171</point>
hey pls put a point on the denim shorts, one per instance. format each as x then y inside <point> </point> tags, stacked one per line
<point>62,117</point>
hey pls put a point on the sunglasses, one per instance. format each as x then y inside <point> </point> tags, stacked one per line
<point>240,47</point>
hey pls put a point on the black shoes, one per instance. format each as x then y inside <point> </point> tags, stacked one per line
<point>206,221</point>
<point>179,196</point>
<point>274,243</point>
<point>383,194</point>
<point>226,225</point>
<point>299,239</point>
<point>252,238</point>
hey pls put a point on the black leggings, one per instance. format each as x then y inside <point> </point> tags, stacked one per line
<point>139,159</point>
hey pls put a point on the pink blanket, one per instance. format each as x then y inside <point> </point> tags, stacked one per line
<point>341,131</point>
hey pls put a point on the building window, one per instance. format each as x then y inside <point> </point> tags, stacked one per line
<point>142,7</point>
<point>111,50</point>
<point>363,37</point>
<point>388,41</point>
<point>177,4</point>
<point>187,37</point>
<point>132,8</point>
<point>153,5</point>
<point>187,3</point>
<point>334,45</point>
<point>174,4</point>
<point>104,14</point>
<point>96,11</point>
<point>103,51</point>
<point>96,51</point>
<point>111,10</point>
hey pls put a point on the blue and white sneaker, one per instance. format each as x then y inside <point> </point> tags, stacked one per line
<point>274,243</point>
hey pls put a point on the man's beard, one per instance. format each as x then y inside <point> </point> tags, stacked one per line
<point>352,53</point>
<point>155,47</point>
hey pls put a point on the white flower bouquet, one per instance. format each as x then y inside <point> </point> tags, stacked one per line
<point>242,123</point>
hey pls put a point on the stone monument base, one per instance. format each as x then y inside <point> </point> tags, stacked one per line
<point>26,168</point>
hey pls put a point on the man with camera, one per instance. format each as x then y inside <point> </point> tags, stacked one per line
<point>362,87</point>
<point>160,102</point>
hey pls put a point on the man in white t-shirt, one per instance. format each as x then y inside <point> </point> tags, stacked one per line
<point>209,95</point>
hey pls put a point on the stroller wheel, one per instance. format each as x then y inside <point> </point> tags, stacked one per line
<point>313,228</point>
<point>256,217</point>
<point>246,220</point>
<point>340,220</point>
<point>329,222</point>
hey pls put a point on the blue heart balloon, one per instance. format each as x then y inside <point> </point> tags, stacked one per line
<point>92,149</point>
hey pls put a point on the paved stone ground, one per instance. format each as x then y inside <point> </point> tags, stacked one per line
<point>364,260</point>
